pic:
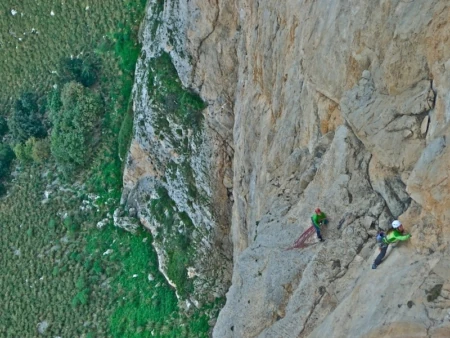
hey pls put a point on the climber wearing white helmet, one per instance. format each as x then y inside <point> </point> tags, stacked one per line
<point>393,235</point>
<point>397,224</point>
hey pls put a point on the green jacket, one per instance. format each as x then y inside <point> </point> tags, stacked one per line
<point>395,236</point>
<point>316,219</point>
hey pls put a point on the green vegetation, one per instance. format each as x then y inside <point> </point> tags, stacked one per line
<point>177,236</point>
<point>58,266</point>
<point>44,285</point>
<point>23,151</point>
<point>434,293</point>
<point>175,105</point>
<point>172,101</point>
<point>41,150</point>
<point>33,41</point>
<point>80,279</point>
<point>6,156</point>
<point>26,119</point>
<point>3,126</point>
<point>73,126</point>
<point>84,70</point>
<point>37,150</point>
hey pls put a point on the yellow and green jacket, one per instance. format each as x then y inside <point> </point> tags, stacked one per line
<point>395,236</point>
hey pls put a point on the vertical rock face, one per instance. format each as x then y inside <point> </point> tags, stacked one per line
<point>342,105</point>
<point>339,105</point>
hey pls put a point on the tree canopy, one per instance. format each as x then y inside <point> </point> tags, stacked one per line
<point>83,70</point>
<point>26,120</point>
<point>3,126</point>
<point>6,156</point>
<point>74,125</point>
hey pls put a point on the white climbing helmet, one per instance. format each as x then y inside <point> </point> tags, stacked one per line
<point>396,224</point>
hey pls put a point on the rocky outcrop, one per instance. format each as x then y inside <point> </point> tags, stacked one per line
<point>342,105</point>
<point>380,121</point>
<point>178,172</point>
<point>379,69</point>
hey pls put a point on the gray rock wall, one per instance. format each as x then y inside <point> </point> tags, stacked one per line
<point>338,104</point>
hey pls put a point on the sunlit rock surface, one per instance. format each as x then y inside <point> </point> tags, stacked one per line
<point>342,105</point>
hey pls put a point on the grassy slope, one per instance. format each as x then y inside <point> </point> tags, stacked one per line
<point>32,42</point>
<point>54,268</point>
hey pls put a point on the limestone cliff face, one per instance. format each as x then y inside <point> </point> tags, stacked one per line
<point>343,105</point>
<point>178,174</point>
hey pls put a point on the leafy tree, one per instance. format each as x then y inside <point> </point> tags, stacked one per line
<point>6,157</point>
<point>54,103</point>
<point>23,152</point>
<point>37,150</point>
<point>3,126</point>
<point>26,120</point>
<point>74,125</point>
<point>41,150</point>
<point>83,70</point>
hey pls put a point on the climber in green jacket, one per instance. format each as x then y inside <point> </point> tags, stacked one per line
<point>318,218</point>
<point>393,235</point>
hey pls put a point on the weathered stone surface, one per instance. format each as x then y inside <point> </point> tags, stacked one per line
<point>304,69</point>
<point>139,165</point>
<point>278,288</point>
<point>424,125</point>
<point>429,184</point>
<point>337,104</point>
<point>389,126</point>
<point>390,186</point>
<point>397,299</point>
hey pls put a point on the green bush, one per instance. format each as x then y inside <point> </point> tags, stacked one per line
<point>54,103</point>
<point>21,153</point>
<point>174,100</point>
<point>81,298</point>
<point>80,283</point>
<point>126,48</point>
<point>24,151</point>
<point>6,157</point>
<point>70,225</point>
<point>26,120</point>
<point>74,126</point>
<point>52,225</point>
<point>177,271</point>
<point>41,150</point>
<point>83,70</point>
<point>3,126</point>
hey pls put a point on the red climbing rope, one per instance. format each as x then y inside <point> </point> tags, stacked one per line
<point>300,242</point>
